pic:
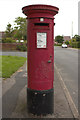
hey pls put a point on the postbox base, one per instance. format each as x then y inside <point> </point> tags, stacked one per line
<point>40,102</point>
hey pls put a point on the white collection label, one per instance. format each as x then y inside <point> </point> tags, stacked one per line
<point>41,40</point>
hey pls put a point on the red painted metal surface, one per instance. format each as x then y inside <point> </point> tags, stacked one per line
<point>40,60</point>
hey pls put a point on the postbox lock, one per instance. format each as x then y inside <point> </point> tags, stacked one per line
<point>41,19</point>
<point>35,93</point>
<point>44,95</point>
<point>49,61</point>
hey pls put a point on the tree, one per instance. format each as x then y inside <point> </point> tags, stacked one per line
<point>67,42</point>
<point>18,32</point>
<point>73,39</point>
<point>59,39</point>
<point>20,28</point>
<point>77,37</point>
<point>9,30</point>
<point>8,34</point>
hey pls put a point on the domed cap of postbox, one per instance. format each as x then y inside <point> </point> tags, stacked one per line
<point>40,11</point>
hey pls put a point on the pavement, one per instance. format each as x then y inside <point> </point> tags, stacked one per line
<point>14,101</point>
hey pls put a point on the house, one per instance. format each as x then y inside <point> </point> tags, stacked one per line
<point>66,38</point>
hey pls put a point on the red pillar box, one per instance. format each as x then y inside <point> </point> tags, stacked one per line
<point>40,35</point>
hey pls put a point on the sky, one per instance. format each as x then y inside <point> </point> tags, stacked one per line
<point>68,14</point>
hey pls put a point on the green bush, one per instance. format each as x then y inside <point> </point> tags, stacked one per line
<point>3,40</point>
<point>13,41</point>
<point>22,47</point>
<point>75,44</point>
<point>59,44</point>
<point>78,44</point>
<point>8,40</point>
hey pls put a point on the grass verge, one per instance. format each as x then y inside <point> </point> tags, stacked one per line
<point>10,64</point>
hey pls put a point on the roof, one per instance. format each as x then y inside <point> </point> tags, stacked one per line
<point>66,38</point>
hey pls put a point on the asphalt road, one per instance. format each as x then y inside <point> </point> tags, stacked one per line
<point>66,61</point>
<point>22,54</point>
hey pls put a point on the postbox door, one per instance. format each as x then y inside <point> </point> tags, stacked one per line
<point>44,52</point>
<point>41,52</point>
